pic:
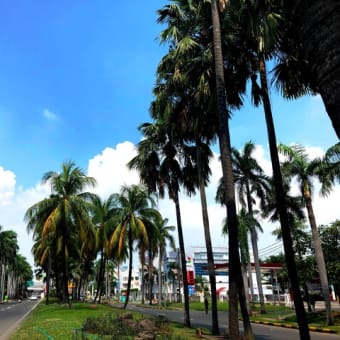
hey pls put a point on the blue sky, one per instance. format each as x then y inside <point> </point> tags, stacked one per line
<point>76,80</point>
<point>91,64</point>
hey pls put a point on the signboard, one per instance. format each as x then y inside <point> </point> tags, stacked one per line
<point>191,290</point>
<point>29,283</point>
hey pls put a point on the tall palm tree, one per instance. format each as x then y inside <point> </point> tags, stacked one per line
<point>189,89</point>
<point>203,153</point>
<point>164,237</point>
<point>246,222</point>
<point>44,250</point>
<point>260,20</point>
<point>142,247</point>
<point>8,251</point>
<point>330,172</point>
<point>161,171</point>
<point>104,220</point>
<point>134,208</point>
<point>65,213</point>
<point>249,179</point>
<point>187,79</point>
<point>152,250</point>
<point>298,166</point>
<point>235,276</point>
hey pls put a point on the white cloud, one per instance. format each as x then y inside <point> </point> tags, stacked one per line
<point>7,186</point>
<point>263,159</point>
<point>49,115</point>
<point>13,204</point>
<point>109,168</point>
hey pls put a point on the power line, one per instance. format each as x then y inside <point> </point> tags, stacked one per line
<point>272,249</point>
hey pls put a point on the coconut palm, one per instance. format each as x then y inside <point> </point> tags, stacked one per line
<point>161,171</point>
<point>44,251</point>
<point>8,251</point>
<point>152,250</point>
<point>246,222</point>
<point>187,88</point>
<point>250,180</point>
<point>104,220</point>
<point>142,247</point>
<point>134,208</point>
<point>261,22</point>
<point>164,237</point>
<point>19,272</point>
<point>65,213</point>
<point>187,79</point>
<point>330,172</point>
<point>235,276</point>
<point>298,166</point>
<point>189,35</point>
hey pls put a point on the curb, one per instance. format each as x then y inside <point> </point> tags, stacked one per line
<point>311,328</point>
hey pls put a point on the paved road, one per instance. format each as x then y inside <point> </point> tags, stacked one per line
<point>11,314</point>
<point>262,332</point>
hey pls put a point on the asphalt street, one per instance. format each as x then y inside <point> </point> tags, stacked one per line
<point>262,332</point>
<point>12,313</point>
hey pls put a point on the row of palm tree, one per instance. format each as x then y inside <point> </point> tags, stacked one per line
<point>72,227</point>
<point>14,268</point>
<point>251,181</point>
<point>214,48</point>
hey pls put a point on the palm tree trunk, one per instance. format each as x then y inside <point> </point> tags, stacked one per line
<point>235,275</point>
<point>103,278</point>
<point>160,283</point>
<point>246,285</point>
<point>319,256</point>
<point>281,205</point>
<point>251,283</point>
<point>48,278</point>
<point>253,238</point>
<point>66,297</point>
<point>318,26</point>
<point>210,257</point>
<point>143,280</point>
<point>130,270</point>
<point>100,277</point>
<point>150,276</point>
<point>183,262</point>
<point>2,283</point>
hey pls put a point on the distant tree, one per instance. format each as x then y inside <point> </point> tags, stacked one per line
<point>65,214</point>
<point>8,251</point>
<point>134,208</point>
<point>330,239</point>
<point>298,166</point>
<point>164,237</point>
<point>305,260</point>
<point>104,220</point>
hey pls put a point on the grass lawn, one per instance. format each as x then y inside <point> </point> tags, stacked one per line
<point>275,314</point>
<point>199,306</point>
<point>285,315</point>
<point>56,321</point>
